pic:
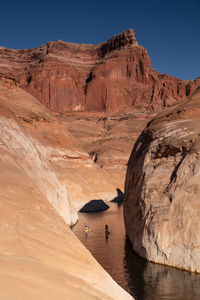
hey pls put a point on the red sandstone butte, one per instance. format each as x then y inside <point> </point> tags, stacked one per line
<point>106,78</point>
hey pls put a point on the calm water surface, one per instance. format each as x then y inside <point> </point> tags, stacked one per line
<point>143,280</point>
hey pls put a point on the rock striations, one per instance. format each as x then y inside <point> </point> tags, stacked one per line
<point>106,78</point>
<point>42,168</point>
<point>109,92</point>
<point>162,191</point>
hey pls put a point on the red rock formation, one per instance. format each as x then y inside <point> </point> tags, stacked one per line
<point>105,78</point>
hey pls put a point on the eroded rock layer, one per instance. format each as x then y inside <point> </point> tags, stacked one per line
<point>104,78</point>
<point>60,149</point>
<point>162,191</point>
<point>108,140</point>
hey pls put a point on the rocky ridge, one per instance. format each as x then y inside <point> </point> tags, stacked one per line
<point>161,201</point>
<point>106,78</point>
<point>104,94</point>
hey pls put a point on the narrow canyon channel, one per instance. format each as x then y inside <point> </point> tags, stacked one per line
<point>143,280</point>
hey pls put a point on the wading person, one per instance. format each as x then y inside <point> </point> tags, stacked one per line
<point>107,232</point>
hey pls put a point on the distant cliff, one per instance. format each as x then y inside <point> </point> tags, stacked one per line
<point>104,78</point>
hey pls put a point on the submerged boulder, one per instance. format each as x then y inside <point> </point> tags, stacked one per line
<point>162,189</point>
<point>94,205</point>
<point>119,197</point>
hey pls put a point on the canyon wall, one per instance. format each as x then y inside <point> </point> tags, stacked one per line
<point>161,202</point>
<point>106,78</point>
<point>60,150</point>
<point>40,256</point>
<point>104,94</point>
<point>108,140</point>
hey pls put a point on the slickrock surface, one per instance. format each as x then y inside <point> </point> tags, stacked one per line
<point>162,191</point>
<point>107,77</point>
<point>61,149</point>
<point>40,258</point>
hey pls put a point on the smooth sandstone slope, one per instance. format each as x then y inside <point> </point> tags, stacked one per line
<point>66,155</point>
<point>40,257</point>
<point>162,190</point>
<point>106,77</point>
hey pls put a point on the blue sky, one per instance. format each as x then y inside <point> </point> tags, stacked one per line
<point>169,30</point>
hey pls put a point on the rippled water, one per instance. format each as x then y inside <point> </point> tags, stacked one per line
<point>143,280</point>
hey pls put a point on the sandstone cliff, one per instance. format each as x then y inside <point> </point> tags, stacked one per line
<point>161,208</point>
<point>40,257</point>
<point>64,152</point>
<point>107,77</point>
<point>112,86</point>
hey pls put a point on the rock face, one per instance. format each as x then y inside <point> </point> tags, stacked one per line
<point>23,148</point>
<point>162,191</point>
<point>64,152</point>
<point>94,205</point>
<point>108,140</point>
<point>104,78</point>
<point>109,92</point>
<point>40,257</point>
<point>119,197</point>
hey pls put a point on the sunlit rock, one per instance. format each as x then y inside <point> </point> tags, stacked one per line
<point>162,189</point>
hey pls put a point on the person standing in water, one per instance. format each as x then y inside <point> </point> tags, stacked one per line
<point>86,227</point>
<point>107,232</point>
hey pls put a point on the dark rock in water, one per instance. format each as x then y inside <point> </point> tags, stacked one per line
<point>119,197</point>
<point>94,205</point>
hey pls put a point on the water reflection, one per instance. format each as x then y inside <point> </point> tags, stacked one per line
<point>151,281</point>
<point>142,279</point>
<point>134,267</point>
